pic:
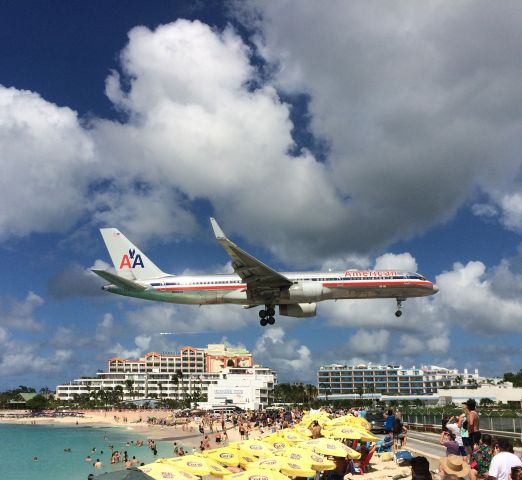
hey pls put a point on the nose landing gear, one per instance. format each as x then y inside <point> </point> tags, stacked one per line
<point>398,313</point>
<point>267,316</point>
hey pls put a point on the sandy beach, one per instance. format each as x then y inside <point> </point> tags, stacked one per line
<point>189,436</point>
<point>136,421</point>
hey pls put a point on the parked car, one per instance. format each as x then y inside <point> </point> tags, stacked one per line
<point>377,421</point>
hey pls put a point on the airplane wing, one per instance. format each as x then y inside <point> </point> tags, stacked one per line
<point>261,280</point>
<point>119,281</point>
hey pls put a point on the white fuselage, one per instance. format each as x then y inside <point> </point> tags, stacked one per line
<point>307,287</point>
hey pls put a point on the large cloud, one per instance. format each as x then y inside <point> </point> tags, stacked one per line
<point>415,128</point>
<point>473,297</point>
<point>198,124</point>
<point>181,319</point>
<point>21,359</point>
<point>419,104</point>
<point>19,315</point>
<point>288,357</point>
<point>47,161</point>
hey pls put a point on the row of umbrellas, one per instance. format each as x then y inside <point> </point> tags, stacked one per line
<point>275,457</point>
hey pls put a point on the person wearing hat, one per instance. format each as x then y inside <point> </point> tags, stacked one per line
<point>453,466</point>
<point>473,425</point>
<point>503,461</point>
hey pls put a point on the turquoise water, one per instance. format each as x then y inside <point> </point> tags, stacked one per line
<point>20,443</point>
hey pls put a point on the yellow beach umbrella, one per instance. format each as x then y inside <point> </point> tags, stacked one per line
<point>335,422</point>
<point>245,459</point>
<point>258,474</point>
<point>306,457</point>
<point>366,436</point>
<point>343,433</point>
<point>216,469</point>
<point>328,446</point>
<point>257,448</point>
<point>284,465</point>
<point>369,437</point>
<point>359,422</point>
<point>302,430</point>
<point>198,465</point>
<point>226,456</point>
<point>321,417</point>
<point>292,436</point>
<point>277,442</point>
<point>161,471</point>
<point>270,463</point>
<point>297,470</point>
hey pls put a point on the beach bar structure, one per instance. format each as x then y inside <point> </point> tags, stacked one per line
<point>192,373</point>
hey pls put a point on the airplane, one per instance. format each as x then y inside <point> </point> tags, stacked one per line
<point>253,283</point>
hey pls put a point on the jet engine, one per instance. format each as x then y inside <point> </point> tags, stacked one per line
<point>307,292</point>
<point>298,310</point>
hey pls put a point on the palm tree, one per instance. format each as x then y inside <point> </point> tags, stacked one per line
<point>325,387</point>
<point>311,392</point>
<point>359,391</point>
<point>129,383</point>
<point>118,394</point>
<point>176,378</point>
<point>160,388</point>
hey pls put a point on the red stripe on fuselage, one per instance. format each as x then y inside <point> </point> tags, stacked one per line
<point>348,283</point>
<point>376,283</point>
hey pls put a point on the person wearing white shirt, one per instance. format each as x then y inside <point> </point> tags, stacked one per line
<point>503,461</point>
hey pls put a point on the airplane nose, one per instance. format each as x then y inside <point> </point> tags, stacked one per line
<point>435,288</point>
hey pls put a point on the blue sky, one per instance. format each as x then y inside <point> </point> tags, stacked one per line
<point>338,135</point>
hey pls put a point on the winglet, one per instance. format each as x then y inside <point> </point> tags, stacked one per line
<point>217,230</point>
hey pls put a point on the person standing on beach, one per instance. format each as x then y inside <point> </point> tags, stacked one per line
<point>473,424</point>
<point>453,427</point>
<point>389,420</point>
<point>503,461</point>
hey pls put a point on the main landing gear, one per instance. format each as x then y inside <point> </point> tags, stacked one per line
<point>398,313</point>
<point>267,316</point>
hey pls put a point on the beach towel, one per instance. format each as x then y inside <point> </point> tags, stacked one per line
<point>403,456</point>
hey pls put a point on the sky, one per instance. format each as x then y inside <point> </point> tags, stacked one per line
<point>362,134</point>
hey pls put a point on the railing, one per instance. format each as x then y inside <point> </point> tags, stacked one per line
<point>428,427</point>
<point>488,424</point>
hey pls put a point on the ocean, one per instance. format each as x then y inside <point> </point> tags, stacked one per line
<point>19,444</point>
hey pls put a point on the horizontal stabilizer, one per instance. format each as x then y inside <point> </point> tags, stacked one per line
<point>119,281</point>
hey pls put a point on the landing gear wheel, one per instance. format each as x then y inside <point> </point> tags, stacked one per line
<point>263,322</point>
<point>398,313</point>
<point>271,320</point>
<point>262,313</point>
<point>270,311</point>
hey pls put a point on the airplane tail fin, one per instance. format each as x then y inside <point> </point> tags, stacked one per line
<point>129,261</point>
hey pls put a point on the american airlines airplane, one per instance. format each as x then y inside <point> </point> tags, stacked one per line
<point>253,284</point>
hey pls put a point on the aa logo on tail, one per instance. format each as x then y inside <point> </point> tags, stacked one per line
<point>132,260</point>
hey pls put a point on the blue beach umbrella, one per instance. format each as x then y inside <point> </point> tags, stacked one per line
<point>127,474</point>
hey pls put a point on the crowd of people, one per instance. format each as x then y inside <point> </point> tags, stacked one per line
<point>475,455</point>
<point>469,453</point>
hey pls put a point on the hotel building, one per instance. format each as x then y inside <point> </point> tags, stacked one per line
<point>191,372</point>
<point>338,382</point>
